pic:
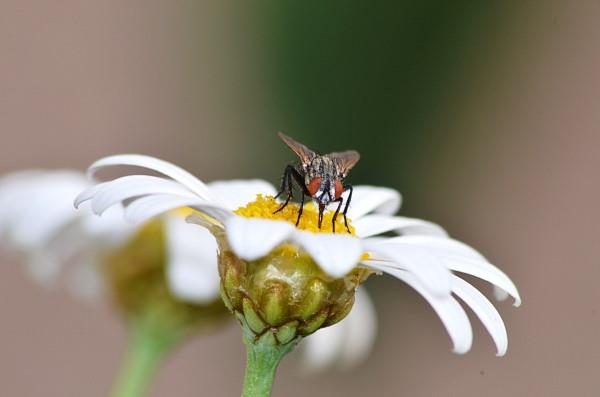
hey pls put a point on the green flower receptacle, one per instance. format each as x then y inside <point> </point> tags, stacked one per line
<point>285,292</point>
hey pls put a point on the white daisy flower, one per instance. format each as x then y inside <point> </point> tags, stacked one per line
<point>161,275</point>
<point>252,239</point>
<point>38,221</point>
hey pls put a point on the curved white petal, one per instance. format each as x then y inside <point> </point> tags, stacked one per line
<point>485,311</point>
<point>460,257</point>
<point>371,225</point>
<point>448,309</point>
<point>346,343</point>
<point>238,193</point>
<point>151,163</point>
<point>336,254</point>
<point>368,199</point>
<point>442,246</point>
<point>192,269</point>
<point>500,294</point>
<point>487,272</point>
<point>87,194</point>
<point>253,238</point>
<point>428,268</point>
<point>147,207</point>
<point>127,187</point>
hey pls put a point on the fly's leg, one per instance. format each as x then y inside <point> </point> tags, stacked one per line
<point>337,211</point>
<point>301,208</point>
<point>286,186</point>
<point>347,187</point>
<point>283,184</point>
<point>289,175</point>
<point>299,178</point>
<point>321,210</point>
<point>304,190</point>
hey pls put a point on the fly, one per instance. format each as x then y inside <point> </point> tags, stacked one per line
<point>320,177</point>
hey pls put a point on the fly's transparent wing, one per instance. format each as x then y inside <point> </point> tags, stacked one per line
<point>304,153</point>
<point>345,161</point>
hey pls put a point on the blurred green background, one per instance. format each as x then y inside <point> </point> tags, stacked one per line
<point>374,76</point>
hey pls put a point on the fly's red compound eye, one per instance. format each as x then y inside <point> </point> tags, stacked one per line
<point>339,189</point>
<point>313,186</point>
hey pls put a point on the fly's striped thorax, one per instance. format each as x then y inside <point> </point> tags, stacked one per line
<point>321,166</point>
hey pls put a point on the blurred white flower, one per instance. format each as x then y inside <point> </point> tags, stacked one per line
<point>38,221</point>
<point>422,255</point>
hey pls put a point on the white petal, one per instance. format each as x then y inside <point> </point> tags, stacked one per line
<point>346,343</point>
<point>36,206</point>
<point>171,170</point>
<point>442,246</point>
<point>460,257</point>
<point>368,199</point>
<point>362,324</point>
<point>428,268</point>
<point>336,254</point>
<point>238,193</point>
<point>127,187</point>
<point>37,225</point>
<point>447,308</point>
<point>87,194</point>
<point>500,294</point>
<point>486,312</point>
<point>147,207</point>
<point>110,229</point>
<point>46,263</point>
<point>253,238</point>
<point>322,349</point>
<point>192,261</point>
<point>487,272</point>
<point>371,225</point>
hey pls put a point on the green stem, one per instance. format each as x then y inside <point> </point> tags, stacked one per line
<point>263,357</point>
<point>147,346</point>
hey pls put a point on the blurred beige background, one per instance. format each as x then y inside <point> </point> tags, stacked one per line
<point>520,183</point>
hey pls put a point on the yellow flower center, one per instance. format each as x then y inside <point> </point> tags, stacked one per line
<point>265,207</point>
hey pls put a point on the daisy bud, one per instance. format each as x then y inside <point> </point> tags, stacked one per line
<point>285,292</point>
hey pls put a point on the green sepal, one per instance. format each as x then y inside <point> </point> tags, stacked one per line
<point>287,332</point>
<point>314,323</point>
<point>252,318</point>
